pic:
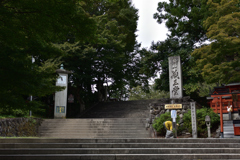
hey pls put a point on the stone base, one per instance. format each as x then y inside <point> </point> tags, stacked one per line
<point>234,116</point>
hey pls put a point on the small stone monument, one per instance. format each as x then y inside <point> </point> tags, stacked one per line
<point>194,119</point>
<point>60,107</point>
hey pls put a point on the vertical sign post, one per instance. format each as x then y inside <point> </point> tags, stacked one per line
<point>175,84</point>
<point>175,77</point>
<point>174,117</point>
<point>221,118</point>
<point>194,119</point>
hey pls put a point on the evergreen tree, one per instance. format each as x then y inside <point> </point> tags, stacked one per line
<point>27,29</point>
<point>219,61</point>
<point>109,57</point>
<point>184,21</point>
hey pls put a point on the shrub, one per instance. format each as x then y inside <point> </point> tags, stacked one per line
<point>10,112</point>
<point>201,124</point>
<point>158,122</point>
<point>187,122</point>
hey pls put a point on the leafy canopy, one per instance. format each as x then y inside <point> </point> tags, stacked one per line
<point>28,29</point>
<point>219,61</point>
<point>108,59</point>
<point>184,21</point>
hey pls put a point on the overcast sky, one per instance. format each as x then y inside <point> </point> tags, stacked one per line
<point>148,28</point>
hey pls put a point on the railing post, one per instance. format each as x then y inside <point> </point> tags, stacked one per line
<point>221,118</point>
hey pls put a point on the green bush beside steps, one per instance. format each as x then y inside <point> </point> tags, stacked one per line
<point>185,124</point>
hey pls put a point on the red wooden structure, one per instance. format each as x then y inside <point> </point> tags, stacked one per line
<point>223,97</point>
<point>230,95</point>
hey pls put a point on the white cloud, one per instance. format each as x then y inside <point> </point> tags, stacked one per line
<point>148,28</point>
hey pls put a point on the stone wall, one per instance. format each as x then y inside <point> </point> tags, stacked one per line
<point>19,127</point>
<point>157,109</point>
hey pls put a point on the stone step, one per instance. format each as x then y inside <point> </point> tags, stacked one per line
<point>91,124</point>
<point>228,133</point>
<point>119,156</point>
<point>124,109</point>
<point>119,145</point>
<point>121,140</point>
<point>228,124</point>
<point>228,129</point>
<point>97,119</point>
<point>94,128</point>
<point>94,131</point>
<point>95,136</point>
<point>117,150</point>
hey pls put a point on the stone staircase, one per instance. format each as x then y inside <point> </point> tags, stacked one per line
<point>228,129</point>
<point>121,109</point>
<point>118,149</point>
<point>94,128</point>
<point>123,119</point>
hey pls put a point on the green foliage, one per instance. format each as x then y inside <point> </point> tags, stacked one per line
<point>219,60</point>
<point>202,88</point>
<point>28,28</point>
<point>138,93</point>
<point>108,60</point>
<point>158,122</point>
<point>187,122</point>
<point>11,113</point>
<point>205,88</point>
<point>201,124</point>
<point>184,20</point>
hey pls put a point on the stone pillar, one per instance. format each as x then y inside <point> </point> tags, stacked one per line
<point>194,119</point>
<point>175,77</point>
<point>60,107</point>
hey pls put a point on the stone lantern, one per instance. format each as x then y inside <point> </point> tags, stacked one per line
<point>60,106</point>
<point>208,123</point>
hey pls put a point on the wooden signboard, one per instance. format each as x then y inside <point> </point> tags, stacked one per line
<point>173,106</point>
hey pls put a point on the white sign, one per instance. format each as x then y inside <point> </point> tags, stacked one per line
<point>62,80</point>
<point>173,114</point>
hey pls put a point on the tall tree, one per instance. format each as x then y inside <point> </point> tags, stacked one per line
<point>28,28</point>
<point>184,21</point>
<point>108,58</point>
<point>219,61</point>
